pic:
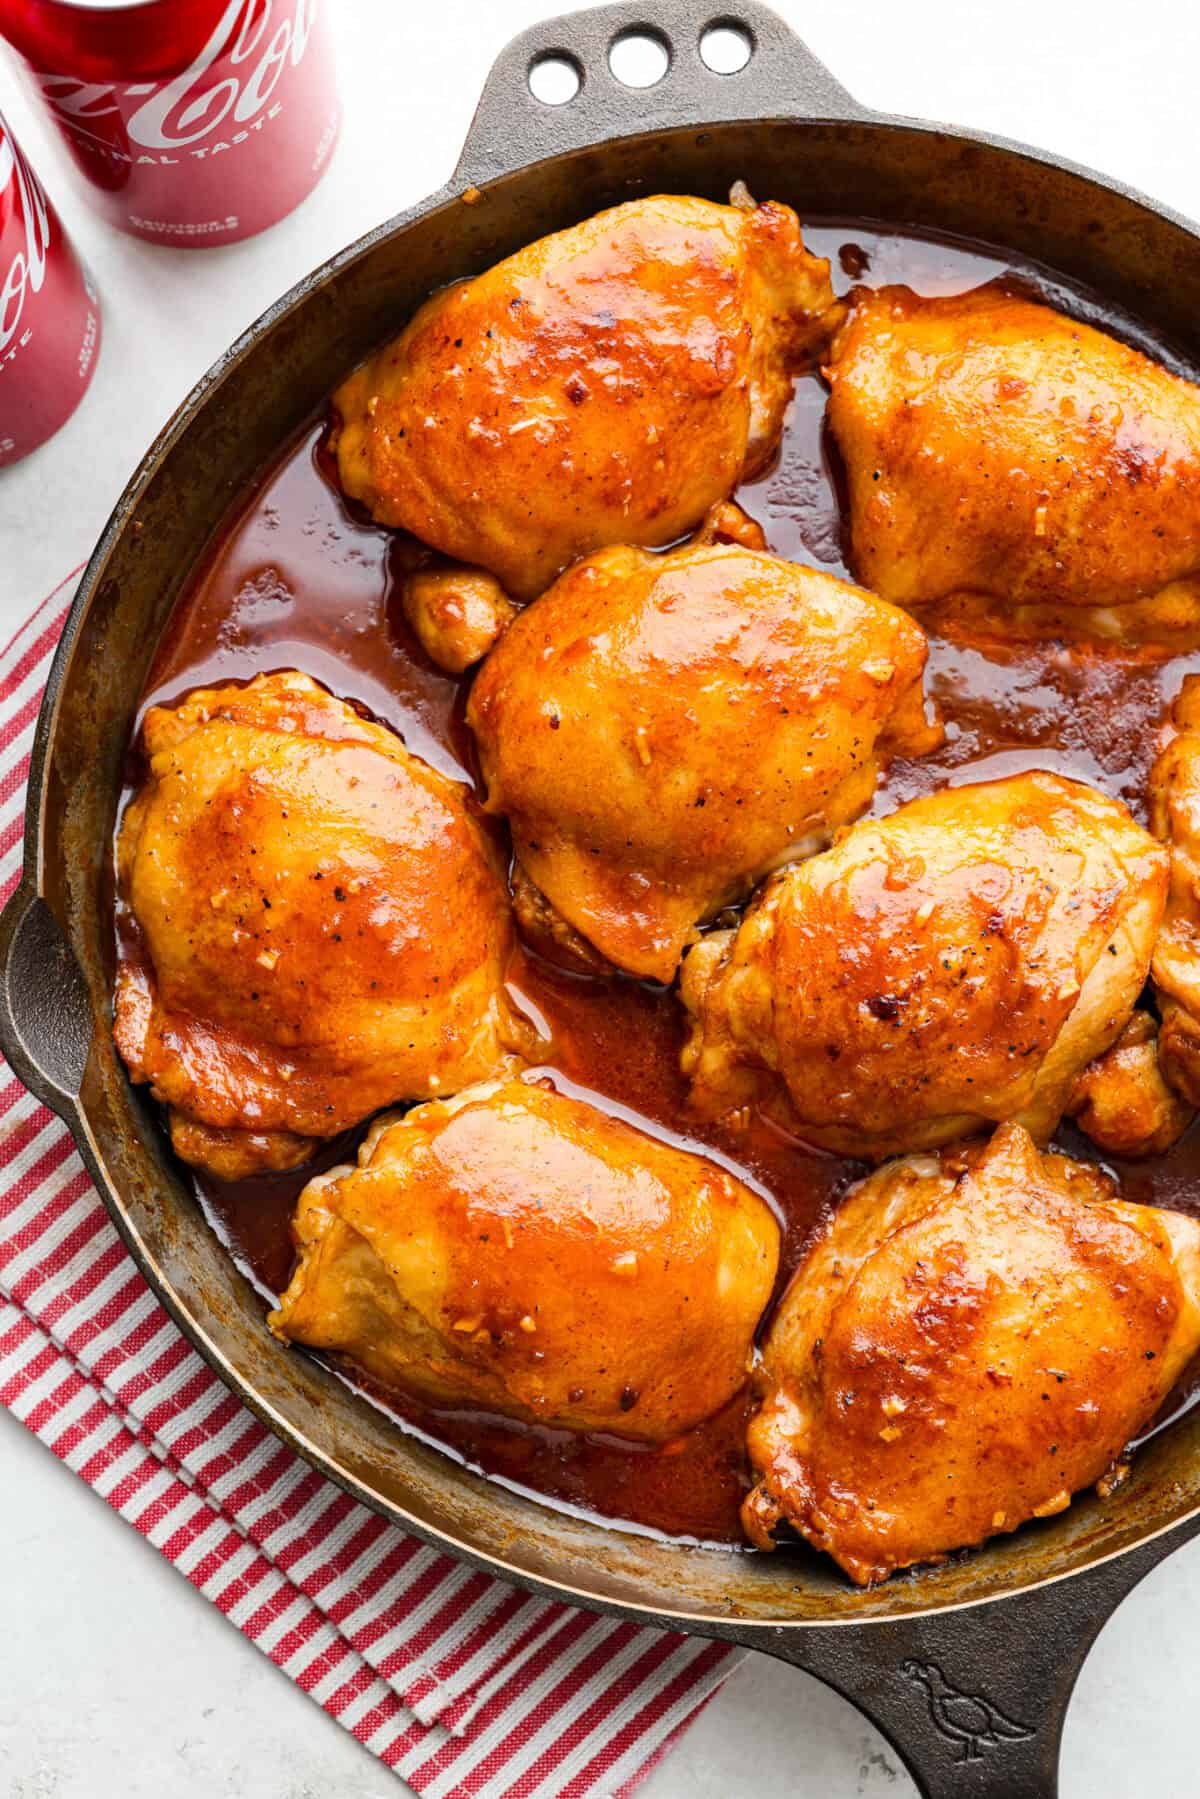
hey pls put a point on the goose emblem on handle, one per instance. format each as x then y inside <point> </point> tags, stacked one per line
<point>968,1720</point>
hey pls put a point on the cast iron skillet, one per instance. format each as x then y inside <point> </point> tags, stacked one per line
<point>1005,1629</point>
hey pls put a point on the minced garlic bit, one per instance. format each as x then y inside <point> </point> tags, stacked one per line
<point>528,1324</point>
<point>1116,1477</point>
<point>467,1325</point>
<point>626,1262</point>
<point>267,958</point>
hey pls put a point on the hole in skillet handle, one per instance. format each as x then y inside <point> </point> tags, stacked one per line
<point>726,46</point>
<point>640,57</point>
<point>555,77</point>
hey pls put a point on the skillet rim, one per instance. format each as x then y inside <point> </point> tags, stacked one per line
<point>29,893</point>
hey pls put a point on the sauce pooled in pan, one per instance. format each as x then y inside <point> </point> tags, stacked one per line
<point>301,579</point>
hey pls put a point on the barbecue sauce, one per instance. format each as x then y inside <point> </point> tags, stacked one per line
<point>300,578</point>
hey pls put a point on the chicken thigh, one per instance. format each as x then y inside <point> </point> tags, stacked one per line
<point>1175,818</point>
<point>998,449</point>
<point>604,385</point>
<point>976,1337</point>
<point>660,731</point>
<point>956,963</point>
<point>518,1250</point>
<point>321,927</point>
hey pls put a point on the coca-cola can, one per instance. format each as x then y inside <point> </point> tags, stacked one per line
<point>49,317</point>
<point>191,122</point>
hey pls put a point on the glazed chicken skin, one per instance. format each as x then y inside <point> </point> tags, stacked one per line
<point>322,927</point>
<point>517,1250</point>
<point>1174,794</point>
<point>996,448</point>
<point>1124,1101</point>
<point>662,730</point>
<point>607,384</point>
<point>954,964</point>
<point>976,1337</point>
<point>456,613</point>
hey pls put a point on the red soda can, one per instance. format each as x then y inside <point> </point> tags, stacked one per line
<point>191,122</point>
<point>49,317</point>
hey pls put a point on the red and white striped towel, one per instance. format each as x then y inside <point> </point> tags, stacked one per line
<point>460,1683</point>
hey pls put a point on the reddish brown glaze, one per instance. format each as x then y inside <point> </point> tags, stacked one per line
<point>953,965</point>
<point>518,1249</point>
<point>604,385</point>
<point>639,728</point>
<point>301,579</point>
<point>298,580</point>
<point>325,925</point>
<point>999,448</point>
<point>974,1340</point>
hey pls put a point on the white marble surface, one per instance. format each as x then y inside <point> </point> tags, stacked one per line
<point>116,1680</point>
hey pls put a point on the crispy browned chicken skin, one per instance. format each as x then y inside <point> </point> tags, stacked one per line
<point>517,1249</point>
<point>976,1337</point>
<point>604,385</point>
<point>322,926</point>
<point>995,447</point>
<point>660,731</point>
<point>956,963</point>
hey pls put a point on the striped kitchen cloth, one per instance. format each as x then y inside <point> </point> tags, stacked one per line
<point>460,1683</point>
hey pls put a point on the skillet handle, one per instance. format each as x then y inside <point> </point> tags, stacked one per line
<point>45,1016</point>
<point>974,1701</point>
<point>511,127</point>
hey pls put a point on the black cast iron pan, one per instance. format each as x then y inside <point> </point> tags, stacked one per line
<point>967,1669</point>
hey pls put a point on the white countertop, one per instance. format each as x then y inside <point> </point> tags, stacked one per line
<point>117,1681</point>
